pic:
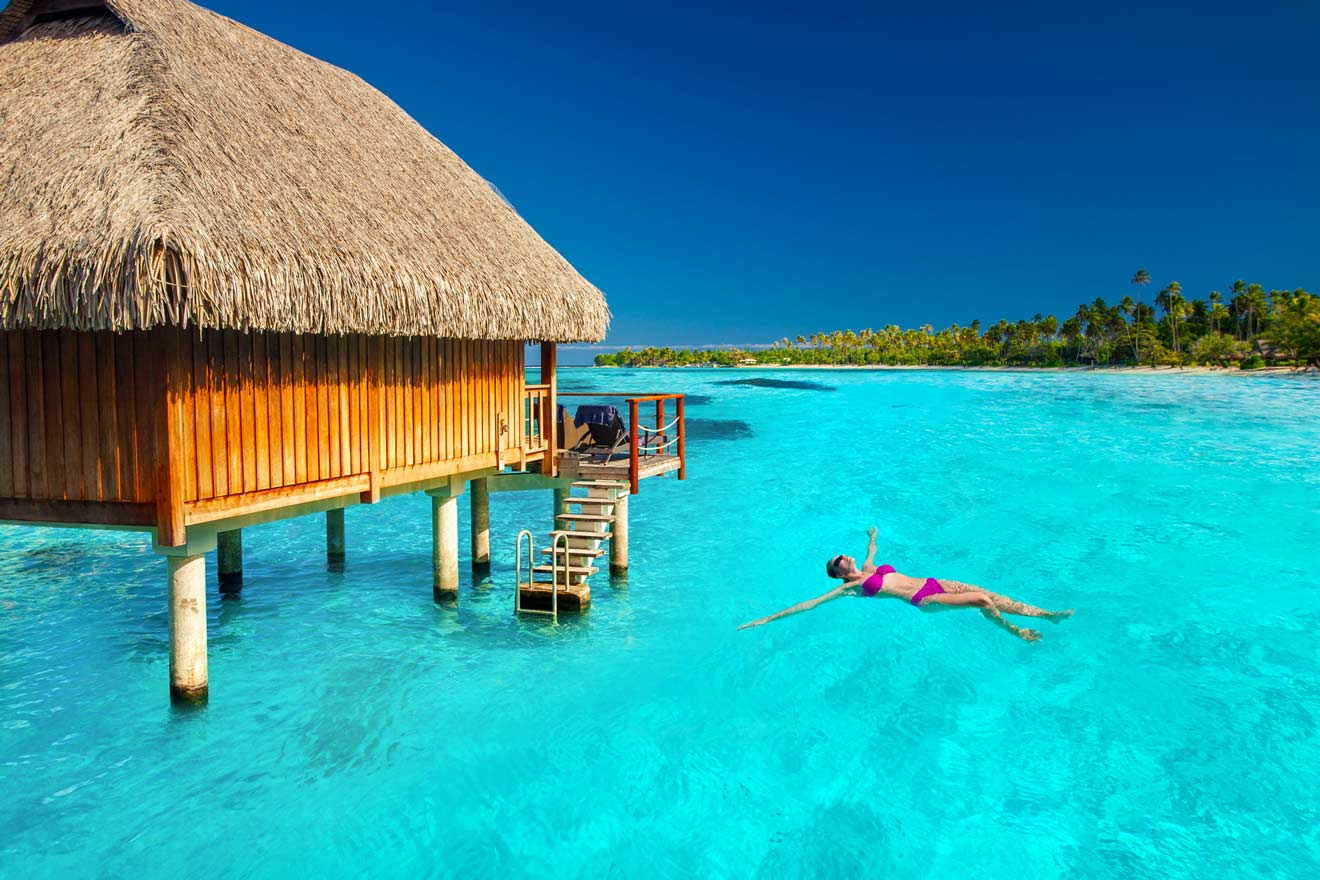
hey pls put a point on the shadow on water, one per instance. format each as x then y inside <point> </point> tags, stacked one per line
<point>717,429</point>
<point>231,608</point>
<point>57,556</point>
<point>184,710</point>
<point>797,384</point>
<point>469,622</point>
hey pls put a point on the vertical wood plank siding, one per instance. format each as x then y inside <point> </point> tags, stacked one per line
<point>83,416</point>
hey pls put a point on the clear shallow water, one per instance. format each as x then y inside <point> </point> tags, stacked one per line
<point>355,729</point>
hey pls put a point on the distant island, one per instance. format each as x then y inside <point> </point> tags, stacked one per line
<point>1248,329</point>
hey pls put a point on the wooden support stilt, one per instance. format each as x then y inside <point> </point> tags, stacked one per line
<point>480,523</point>
<point>560,502</point>
<point>444,547</point>
<point>229,561</point>
<point>619,535</point>
<point>550,464</point>
<point>334,538</point>
<point>187,604</point>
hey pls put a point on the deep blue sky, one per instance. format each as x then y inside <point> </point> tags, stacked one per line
<point>739,174</point>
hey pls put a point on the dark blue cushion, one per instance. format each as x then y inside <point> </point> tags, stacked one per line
<point>592,414</point>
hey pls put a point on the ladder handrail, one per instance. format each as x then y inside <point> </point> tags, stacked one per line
<point>517,570</point>
<point>555,569</point>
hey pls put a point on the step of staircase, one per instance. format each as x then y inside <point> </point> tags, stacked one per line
<point>584,517</point>
<point>599,484</point>
<point>593,552</point>
<point>571,570</point>
<point>585,535</point>
<point>596,502</point>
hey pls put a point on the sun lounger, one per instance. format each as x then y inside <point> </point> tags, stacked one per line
<point>572,436</point>
<point>609,435</point>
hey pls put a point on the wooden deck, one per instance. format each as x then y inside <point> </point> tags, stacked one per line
<point>576,467</point>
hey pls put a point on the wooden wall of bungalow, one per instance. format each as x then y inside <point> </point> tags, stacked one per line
<point>171,427</point>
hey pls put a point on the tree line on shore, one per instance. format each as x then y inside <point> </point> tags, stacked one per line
<point>1246,327</point>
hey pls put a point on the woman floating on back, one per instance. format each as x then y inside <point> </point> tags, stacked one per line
<point>928,594</point>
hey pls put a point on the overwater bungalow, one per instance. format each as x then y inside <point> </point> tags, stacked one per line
<point>238,284</point>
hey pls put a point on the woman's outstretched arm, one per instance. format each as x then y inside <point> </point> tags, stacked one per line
<point>870,548</point>
<point>800,607</point>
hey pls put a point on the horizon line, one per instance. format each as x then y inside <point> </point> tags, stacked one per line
<point>596,346</point>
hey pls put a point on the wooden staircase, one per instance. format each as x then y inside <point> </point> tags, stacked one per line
<point>560,583</point>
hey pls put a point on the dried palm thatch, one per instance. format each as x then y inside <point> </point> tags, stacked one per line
<point>281,192</point>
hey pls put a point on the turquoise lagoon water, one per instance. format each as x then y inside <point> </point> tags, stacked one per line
<point>1172,729</point>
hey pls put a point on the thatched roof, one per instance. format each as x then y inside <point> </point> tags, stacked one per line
<point>282,193</point>
<point>1268,350</point>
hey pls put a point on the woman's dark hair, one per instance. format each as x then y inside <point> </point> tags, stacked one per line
<point>831,566</point>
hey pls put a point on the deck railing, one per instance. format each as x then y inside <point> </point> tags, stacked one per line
<point>660,438</point>
<point>538,420</point>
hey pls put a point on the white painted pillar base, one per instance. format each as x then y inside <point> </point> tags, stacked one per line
<point>619,535</point>
<point>334,537</point>
<point>187,602</point>
<point>229,561</point>
<point>480,523</point>
<point>444,547</point>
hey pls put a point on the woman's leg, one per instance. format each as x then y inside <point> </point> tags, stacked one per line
<point>1005,604</point>
<point>984,601</point>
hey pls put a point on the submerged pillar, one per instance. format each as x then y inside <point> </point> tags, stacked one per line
<point>334,537</point>
<point>444,547</point>
<point>480,523</point>
<point>619,535</point>
<point>561,503</point>
<point>187,601</point>
<point>229,561</point>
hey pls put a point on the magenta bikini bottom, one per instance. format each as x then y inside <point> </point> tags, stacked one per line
<point>930,588</point>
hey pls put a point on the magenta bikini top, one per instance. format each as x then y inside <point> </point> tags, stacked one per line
<point>872,585</point>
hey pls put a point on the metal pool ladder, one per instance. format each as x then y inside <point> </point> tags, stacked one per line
<point>558,573</point>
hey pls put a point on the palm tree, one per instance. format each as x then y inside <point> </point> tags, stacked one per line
<point>1239,303</point>
<point>1255,302</point>
<point>1199,318</point>
<point>1215,299</point>
<point>1051,326</point>
<point>1071,331</point>
<point>1170,299</point>
<point>1297,324</point>
<point>1128,308</point>
<point>1141,279</point>
<point>1218,315</point>
<point>1085,321</point>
